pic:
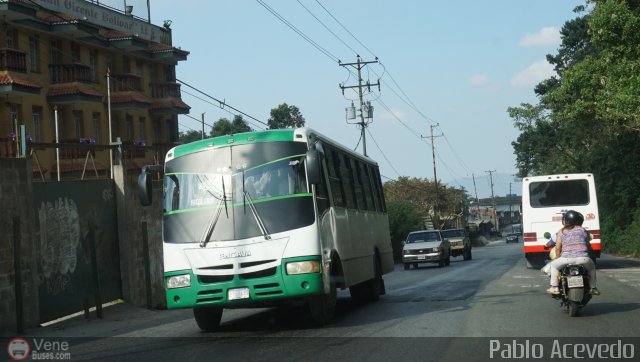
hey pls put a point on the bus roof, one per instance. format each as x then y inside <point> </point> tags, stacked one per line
<point>568,176</point>
<point>274,135</point>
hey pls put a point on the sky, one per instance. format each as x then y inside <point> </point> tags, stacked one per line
<point>451,66</point>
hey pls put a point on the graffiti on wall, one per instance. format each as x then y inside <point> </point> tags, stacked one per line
<point>59,242</point>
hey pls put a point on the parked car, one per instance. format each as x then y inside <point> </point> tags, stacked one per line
<point>425,246</point>
<point>513,237</point>
<point>514,234</point>
<point>459,241</point>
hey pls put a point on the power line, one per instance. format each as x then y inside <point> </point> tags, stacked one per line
<point>222,103</point>
<point>299,32</point>
<point>343,27</point>
<point>383,155</point>
<point>326,27</point>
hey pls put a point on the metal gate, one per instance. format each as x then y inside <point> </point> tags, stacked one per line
<point>77,245</point>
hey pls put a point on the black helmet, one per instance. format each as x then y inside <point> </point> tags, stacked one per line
<point>572,218</point>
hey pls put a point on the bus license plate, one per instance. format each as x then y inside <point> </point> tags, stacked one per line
<point>238,293</point>
<point>575,282</point>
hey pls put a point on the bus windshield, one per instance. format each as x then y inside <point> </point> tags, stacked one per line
<point>271,176</point>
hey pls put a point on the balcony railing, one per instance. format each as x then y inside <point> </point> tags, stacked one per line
<point>69,73</point>
<point>126,83</point>
<point>13,60</point>
<point>165,90</point>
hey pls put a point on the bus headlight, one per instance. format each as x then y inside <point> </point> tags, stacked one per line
<point>179,281</point>
<point>303,267</point>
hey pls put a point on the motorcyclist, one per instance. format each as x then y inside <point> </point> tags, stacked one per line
<point>572,247</point>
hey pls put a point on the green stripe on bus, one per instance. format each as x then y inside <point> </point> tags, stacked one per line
<point>239,204</point>
<point>236,139</point>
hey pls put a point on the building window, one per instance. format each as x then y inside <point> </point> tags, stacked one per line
<point>36,113</point>
<point>12,38</point>
<point>34,53</point>
<point>126,65</point>
<point>93,64</point>
<point>75,52</point>
<point>78,124</point>
<point>139,68</point>
<point>170,73</point>
<point>129,127</point>
<point>141,130</point>
<point>156,135</point>
<point>95,119</point>
<point>55,52</point>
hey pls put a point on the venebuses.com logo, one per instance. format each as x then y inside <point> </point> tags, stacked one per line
<point>18,349</point>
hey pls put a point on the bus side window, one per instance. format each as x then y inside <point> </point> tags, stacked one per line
<point>359,188</point>
<point>334,179</point>
<point>322,196</point>
<point>347,180</point>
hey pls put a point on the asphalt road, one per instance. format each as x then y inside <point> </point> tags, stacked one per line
<point>464,311</point>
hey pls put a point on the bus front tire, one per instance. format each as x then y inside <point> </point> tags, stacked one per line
<point>322,307</point>
<point>208,318</point>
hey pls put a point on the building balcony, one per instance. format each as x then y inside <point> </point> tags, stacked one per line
<point>69,73</point>
<point>126,83</point>
<point>167,99</point>
<point>13,60</point>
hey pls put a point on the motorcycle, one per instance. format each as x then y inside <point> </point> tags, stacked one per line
<point>575,291</point>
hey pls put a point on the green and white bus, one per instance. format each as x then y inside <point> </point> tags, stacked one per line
<point>269,218</point>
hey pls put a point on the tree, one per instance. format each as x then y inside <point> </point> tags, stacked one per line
<point>189,136</point>
<point>403,218</point>
<point>588,119</point>
<point>224,127</point>
<point>285,116</point>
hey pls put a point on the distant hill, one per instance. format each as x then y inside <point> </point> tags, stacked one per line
<point>501,183</point>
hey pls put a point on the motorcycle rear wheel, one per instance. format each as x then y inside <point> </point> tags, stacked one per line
<point>573,308</point>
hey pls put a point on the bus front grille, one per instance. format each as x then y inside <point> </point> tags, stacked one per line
<point>259,274</point>
<point>208,279</point>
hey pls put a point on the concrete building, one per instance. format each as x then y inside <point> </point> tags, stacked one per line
<point>55,59</point>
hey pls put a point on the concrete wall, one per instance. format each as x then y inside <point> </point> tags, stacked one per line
<point>16,200</point>
<point>131,215</point>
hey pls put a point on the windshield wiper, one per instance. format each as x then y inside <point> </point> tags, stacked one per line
<point>212,225</point>
<point>256,216</point>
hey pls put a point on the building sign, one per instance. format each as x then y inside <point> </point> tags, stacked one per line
<point>104,17</point>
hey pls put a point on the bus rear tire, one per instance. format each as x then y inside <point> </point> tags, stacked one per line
<point>370,290</point>
<point>208,318</point>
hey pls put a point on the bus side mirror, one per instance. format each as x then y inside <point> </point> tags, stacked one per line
<point>144,183</point>
<point>313,167</point>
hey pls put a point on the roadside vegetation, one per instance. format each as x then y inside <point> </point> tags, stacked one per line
<point>588,116</point>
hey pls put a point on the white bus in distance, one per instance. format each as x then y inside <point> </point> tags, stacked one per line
<point>544,200</point>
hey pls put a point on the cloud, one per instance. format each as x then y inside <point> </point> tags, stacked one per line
<point>533,75</point>
<point>547,36</point>
<point>392,116</point>
<point>479,80</point>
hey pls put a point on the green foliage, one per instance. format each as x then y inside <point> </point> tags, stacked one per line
<point>403,218</point>
<point>189,136</point>
<point>285,116</point>
<point>225,127</point>
<point>588,119</point>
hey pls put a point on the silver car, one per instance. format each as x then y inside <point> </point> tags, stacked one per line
<point>425,246</point>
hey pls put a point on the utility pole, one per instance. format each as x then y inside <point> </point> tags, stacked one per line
<point>358,65</point>
<point>435,175</point>
<point>476,191</point>
<point>203,124</point>
<point>493,199</point>
<point>510,202</point>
